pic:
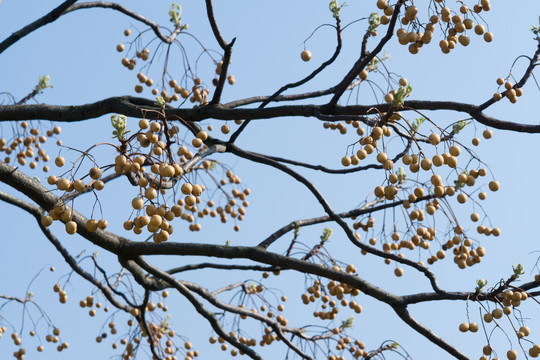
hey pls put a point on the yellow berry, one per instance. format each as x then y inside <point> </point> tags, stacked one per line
<point>306,55</point>
<point>71,227</point>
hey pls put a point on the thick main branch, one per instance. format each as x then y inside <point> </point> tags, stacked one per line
<point>136,107</point>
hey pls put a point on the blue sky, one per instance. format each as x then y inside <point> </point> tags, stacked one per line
<point>78,52</point>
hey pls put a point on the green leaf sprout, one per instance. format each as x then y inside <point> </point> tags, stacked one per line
<point>480,284</point>
<point>518,270</point>
<point>402,176</point>
<point>417,122</point>
<point>460,125</point>
<point>174,13</point>
<point>160,101</point>
<point>119,124</point>
<point>374,21</point>
<point>402,93</point>
<point>335,9</point>
<point>347,323</point>
<point>43,83</point>
<point>327,232</point>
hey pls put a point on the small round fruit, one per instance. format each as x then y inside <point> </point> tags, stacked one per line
<point>494,185</point>
<point>197,190</point>
<point>197,142</point>
<point>120,47</point>
<point>346,161</point>
<point>71,227</point>
<point>102,224</point>
<point>398,272</point>
<point>143,124</point>
<point>455,150</point>
<point>137,203</point>
<point>512,354</point>
<point>203,135</point>
<point>487,134</point>
<point>363,75</point>
<point>91,225</point>
<point>434,139</point>
<point>46,221</point>
<point>497,313</point>
<point>59,161</point>
<point>99,185</point>
<point>155,126</point>
<point>525,330</point>
<point>95,173</point>
<point>186,189</point>
<point>463,327</point>
<point>167,171</point>
<point>150,193</point>
<point>306,55</point>
<point>479,29</point>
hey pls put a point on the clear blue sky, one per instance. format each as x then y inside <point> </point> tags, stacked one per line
<point>78,52</point>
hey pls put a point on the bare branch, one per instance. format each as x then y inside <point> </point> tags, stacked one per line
<point>114,6</point>
<point>338,220</point>
<point>339,171</point>
<point>199,307</point>
<point>213,24</point>
<point>292,97</point>
<point>403,313</point>
<point>218,266</point>
<point>364,60</point>
<point>45,199</point>
<point>70,6</point>
<point>34,211</point>
<point>47,19</point>
<point>223,73</point>
<point>297,83</point>
<point>14,298</point>
<point>528,72</point>
<point>136,107</point>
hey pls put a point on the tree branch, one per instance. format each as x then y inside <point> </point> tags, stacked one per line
<point>364,60</point>
<point>213,24</point>
<point>136,107</point>
<point>403,313</point>
<point>114,6</point>
<point>47,19</point>
<point>47,200</point>
<point>297,83</point>
<point>522,81</point>
<point>337,219</point>
<point>199,307</point>
<point>179,269</point>
<point>34,211</point>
